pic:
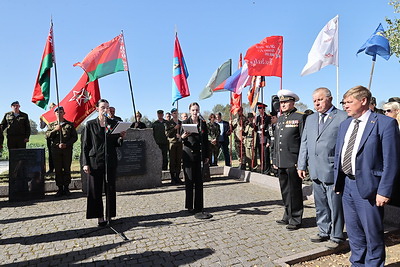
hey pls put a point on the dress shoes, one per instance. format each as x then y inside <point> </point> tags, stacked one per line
<point>333,244</point>
<point>282,222</point>
<point>317,238</point>
<point>59,193</point>
<point>292,227</point>
<point>66,191</point>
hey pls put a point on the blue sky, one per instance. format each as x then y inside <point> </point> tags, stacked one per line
<point>210,32</point>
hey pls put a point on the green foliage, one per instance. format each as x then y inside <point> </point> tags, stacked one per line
<point>39,141</point>
<point>393,30</point>
<point>34,126</point>
<point>301,106</point>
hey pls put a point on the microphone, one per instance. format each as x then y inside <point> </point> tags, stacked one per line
<point>105,114</point>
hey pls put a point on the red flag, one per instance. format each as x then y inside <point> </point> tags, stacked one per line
<point>265,58</point>
<point>107,58</point>
<point>180,88</point>
<point>79,103</point>
<point>41,92</point>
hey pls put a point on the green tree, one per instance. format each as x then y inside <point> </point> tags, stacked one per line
<point>301,106</point>
<point>34,127</point>
<point>393,30</point>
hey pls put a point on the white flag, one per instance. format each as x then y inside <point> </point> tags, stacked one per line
<point>324,51</point>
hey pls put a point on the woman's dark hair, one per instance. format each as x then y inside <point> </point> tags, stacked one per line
<point>193,104</point>
<point>101,101</point>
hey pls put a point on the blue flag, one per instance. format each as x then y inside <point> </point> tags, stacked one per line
<point>377,44</point>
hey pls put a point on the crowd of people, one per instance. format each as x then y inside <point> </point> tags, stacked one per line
<point>348,154</point>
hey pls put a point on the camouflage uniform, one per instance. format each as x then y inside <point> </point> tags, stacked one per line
<point>249,133</point>
<point>17,128</point>
<point>161,140</point>
<point>62,157</point>
<point>213,133</point>
<point>175,150</point>
<point>238,126</point>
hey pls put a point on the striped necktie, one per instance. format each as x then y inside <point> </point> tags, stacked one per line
<point>346,167</point>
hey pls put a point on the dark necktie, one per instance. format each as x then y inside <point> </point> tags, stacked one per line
<point>321,122</point>
<point>347,169</point>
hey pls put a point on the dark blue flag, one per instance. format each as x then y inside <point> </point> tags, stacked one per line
<point>377,44</point>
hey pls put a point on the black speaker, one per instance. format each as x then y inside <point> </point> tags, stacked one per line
<point>275,106</point>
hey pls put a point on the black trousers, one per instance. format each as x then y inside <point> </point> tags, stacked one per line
<point>292,195</point>
<point>62,164</point>
<point>194,184</point>
<point>51,165</point>
<point>95,208</point>
<point>266,160</point>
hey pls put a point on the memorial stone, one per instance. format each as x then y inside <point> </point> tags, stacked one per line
<point>26,174</point>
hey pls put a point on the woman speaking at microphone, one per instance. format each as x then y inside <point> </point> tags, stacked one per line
<point>97,157</point>
<point>195,149</point>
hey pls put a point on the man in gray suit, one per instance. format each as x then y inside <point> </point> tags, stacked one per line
<point>317,150</point>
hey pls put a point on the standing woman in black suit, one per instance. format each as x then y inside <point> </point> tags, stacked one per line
<point>95,161</point>
<point>195,149</point>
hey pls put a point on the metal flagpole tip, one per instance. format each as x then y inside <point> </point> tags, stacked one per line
<point>203,215</point>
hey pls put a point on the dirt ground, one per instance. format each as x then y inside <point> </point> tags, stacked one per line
<point>392,241</point>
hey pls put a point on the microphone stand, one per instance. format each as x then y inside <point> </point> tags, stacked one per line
<point>107,190</point>
<point>107,132</point>
<point>202,214</point>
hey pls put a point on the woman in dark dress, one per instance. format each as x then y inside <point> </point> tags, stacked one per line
<point>94,160</point>
<point>195,150</point>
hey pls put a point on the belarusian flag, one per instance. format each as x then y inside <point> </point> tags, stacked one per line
<point>41,92</point>
<point>105,59</point>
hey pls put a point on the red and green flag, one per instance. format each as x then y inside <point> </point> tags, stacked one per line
<point>79,103</point>
<point>107,58</point>
<point>41,92</point>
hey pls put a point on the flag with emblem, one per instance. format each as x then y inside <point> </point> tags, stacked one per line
<point>79,103</point>
<point>107,58</point>
<point>41,91</point>
<point>377,44</point>
<point>180,88</point>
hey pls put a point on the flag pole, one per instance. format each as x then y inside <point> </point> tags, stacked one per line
<point>130,80</point>
<point>56,76</point>
<point>372,72</point>
<point>337,86</point>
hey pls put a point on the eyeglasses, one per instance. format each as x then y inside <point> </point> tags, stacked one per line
<point>387,111</point>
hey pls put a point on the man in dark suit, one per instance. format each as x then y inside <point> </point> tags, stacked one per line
<point>317,150</point>
<point>286,149</point>
<point>366,163</point>
<point>223,139</point>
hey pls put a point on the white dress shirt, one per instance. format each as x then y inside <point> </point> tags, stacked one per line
<point>363,122</point>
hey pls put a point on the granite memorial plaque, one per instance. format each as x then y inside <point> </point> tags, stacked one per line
<point>131,158</point>
<point>26,174</point>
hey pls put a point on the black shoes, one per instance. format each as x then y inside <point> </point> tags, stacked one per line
<point>317,238</point>
<point>292,227</point>
<point>59,193</point>
<point>282,222</point>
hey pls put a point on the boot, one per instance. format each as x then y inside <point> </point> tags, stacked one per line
<point>173,178</point>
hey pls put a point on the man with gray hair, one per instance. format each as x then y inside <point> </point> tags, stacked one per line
<point>317,151</point>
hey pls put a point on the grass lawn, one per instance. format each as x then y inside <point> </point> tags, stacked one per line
<point>39,141</point>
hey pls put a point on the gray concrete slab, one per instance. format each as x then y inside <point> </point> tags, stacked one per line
<point>242,231</point>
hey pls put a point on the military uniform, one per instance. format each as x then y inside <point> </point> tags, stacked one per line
<point>62,157</point>
<point>213,134</point>
<point>161,140</point>
<point>286,150</point>
<point>18,129</point>
<point>175,150</point>
<point>263,138</point>
<point>238,126</point>
<point>249,133</point>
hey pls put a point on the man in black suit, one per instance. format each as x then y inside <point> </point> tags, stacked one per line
<point>223,139</point>
<point>287,144</point>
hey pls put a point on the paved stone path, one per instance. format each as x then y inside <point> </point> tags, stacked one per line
<point>242,232</point>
